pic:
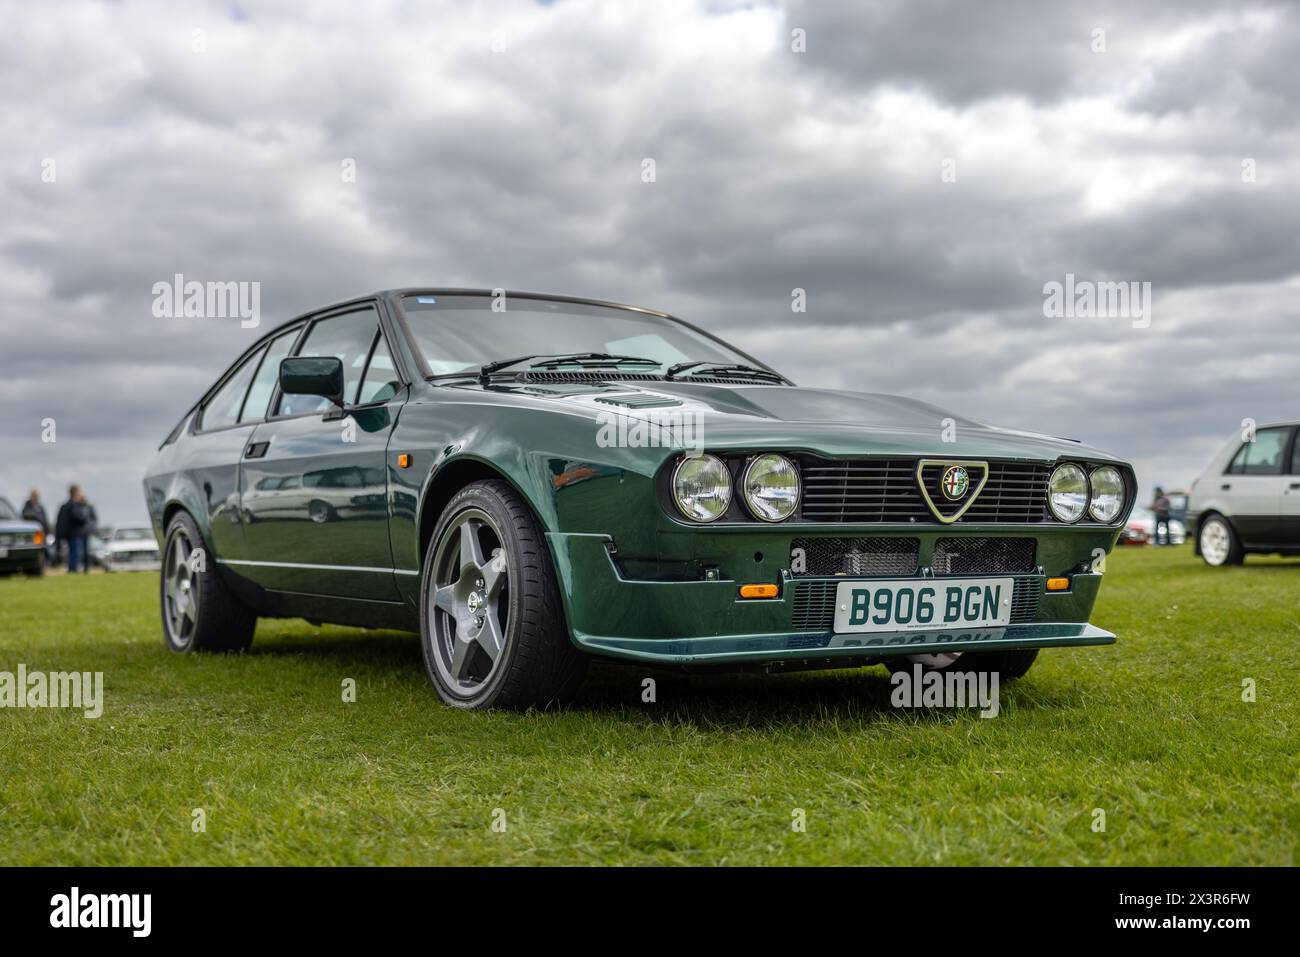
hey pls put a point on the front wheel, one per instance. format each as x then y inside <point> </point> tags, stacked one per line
<point>491,623</point>
<point>1219,543</point>
<point>199,613</point>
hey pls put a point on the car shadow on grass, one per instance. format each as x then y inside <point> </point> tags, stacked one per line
<point>614,690</point>
<point>755,700</point>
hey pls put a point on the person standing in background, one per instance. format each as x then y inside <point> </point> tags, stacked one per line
<point>75,523</point>
<point>34,511</point>
<point>1161,507</point>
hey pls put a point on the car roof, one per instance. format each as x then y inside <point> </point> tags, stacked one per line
<point>401,292</point>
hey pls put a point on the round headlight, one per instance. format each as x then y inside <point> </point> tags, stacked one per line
<point>1067,492</point>
<point>702,487</point>
<point>771,486</point>
<point>1107,487</point>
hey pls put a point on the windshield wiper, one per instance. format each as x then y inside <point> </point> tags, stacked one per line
<point>602,360</point>
<point>723,370</point>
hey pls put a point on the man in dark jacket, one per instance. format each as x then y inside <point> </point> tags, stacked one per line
<point>1162,508</point>
<point>75,523</point>
<point>34,511</point>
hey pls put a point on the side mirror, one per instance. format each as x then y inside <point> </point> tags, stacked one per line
<point>313,375</point>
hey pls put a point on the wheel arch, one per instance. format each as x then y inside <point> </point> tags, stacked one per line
<point>449,479</point>
<point>176,506</point>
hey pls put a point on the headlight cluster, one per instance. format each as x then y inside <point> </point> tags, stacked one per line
<point>1071,491</point>
<point>769,487</point>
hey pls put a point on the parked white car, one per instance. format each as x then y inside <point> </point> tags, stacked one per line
<point>1248,499</point>
<point>132,548</point>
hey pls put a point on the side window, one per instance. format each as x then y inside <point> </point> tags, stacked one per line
<point>380,383</point>
<point>1295,458</point>
<point>348,337</point>
<point>1263,456</point>
<point>268,374</point>
<point>223,408</point>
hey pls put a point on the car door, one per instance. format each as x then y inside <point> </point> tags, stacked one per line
<point>220,435</point>
<point>1253,485</point>
<point>1291,496</point>
<point>315,477</point>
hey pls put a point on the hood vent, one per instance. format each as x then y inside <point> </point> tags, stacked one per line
<point>639,401</point>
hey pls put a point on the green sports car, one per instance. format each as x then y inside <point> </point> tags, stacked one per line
<point>529,481</point>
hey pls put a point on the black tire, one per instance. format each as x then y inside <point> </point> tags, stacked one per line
<point>1234,554</point>
<point>1009,664</point>
<point>220,622</point>
<point>37,570</point>
<point>538,665</point>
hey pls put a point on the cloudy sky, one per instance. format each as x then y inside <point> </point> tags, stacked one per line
<point>920,168</point>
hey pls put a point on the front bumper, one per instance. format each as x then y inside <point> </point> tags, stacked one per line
<point>684,622</point>
<point>20,557</point>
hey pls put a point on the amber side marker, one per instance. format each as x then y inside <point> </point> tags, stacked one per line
<point>38,538</point>
<point>1058,584</point>
<point>404,461</point>
<point>759,591</point>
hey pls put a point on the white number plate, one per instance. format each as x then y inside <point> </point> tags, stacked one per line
<point>923,604</point>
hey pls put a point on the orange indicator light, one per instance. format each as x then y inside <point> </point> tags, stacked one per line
<point>1058,584</point>
<point>759,591</point>
<point>404,461</point>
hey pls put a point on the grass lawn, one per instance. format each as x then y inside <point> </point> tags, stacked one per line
<point>1152,730</point>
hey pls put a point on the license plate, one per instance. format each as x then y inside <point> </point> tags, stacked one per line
<point>864,606</point>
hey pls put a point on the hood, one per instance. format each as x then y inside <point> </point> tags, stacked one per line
<point>830,422</point>
<point>19,526</point>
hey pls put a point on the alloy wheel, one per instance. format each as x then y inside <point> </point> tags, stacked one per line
<point>469,603</point>
<point>1214,542</point>
<point>180,590</point>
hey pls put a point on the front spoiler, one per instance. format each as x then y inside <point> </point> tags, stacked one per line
<point>723,649</point>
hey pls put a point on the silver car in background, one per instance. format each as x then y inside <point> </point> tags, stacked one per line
<point>1248,499</point>
<point>131,548</point>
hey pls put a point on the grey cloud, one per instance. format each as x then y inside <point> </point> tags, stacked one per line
<point>775,170</point>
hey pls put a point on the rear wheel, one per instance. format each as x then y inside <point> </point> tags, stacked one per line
<point>199,613</point>
<point>491,623</point>
<point>1009,664</point>
<point>1219,543</point>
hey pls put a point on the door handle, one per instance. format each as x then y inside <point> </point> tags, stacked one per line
<point>256,450</point>
<point>1225,486</point>
<point>1295,484</point>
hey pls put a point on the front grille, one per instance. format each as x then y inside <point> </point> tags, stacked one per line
<point>1016,492</point>
<point>814,603</point>
<point>979,556</point>
<point>885,490</point>
<point>821,557</point>
<point>880,490</point>
<point>127,558</point>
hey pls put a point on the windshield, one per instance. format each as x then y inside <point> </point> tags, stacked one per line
<point>7,510</point>
<point>133,535</point>
<point>460,333</point>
